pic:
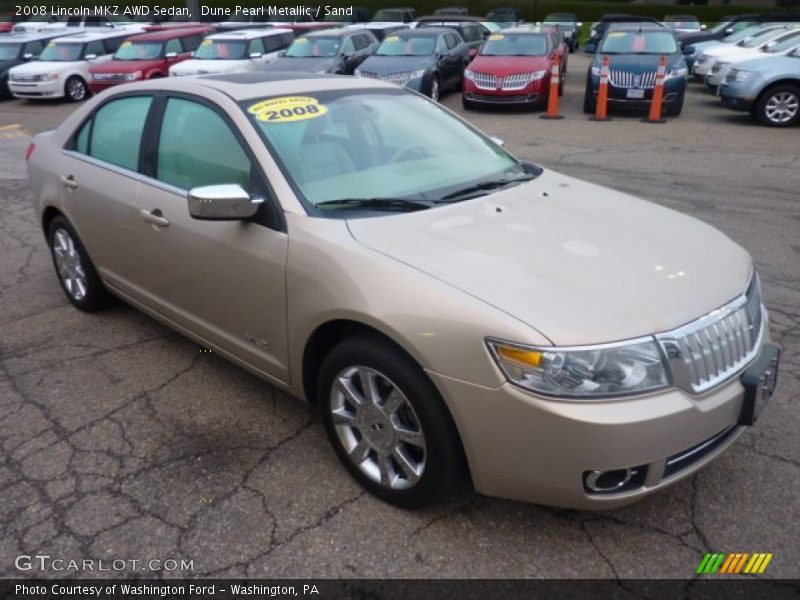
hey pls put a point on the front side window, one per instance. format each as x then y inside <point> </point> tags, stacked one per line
<point>9,51</point>
<point>190,42</point>
<point>325,47</point>
<point>387,144</point>
<point>783,43</point>
<point>221,50</point>
<point>34,48</point>
<point>138,51</point>
<point>173,46</point>
<point>116,132</point>
<point>196,147</point>
<point>61,52</point>
<point>95,48</point>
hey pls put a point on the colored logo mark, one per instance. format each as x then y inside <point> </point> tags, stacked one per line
<point>732,563</point>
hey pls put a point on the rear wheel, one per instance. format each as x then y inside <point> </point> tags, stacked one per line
<point>779,106</point>
<point>75,270</point>
<point>388,424</point>
<point>75,89</point>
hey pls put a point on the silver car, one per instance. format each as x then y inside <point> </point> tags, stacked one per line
<point>447,307</point>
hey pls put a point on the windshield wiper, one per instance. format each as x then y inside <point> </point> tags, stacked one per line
<point>403,204</point>
<point>485,186</point>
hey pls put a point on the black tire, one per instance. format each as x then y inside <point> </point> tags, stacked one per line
<point>94,297</point>
<point>442,458</point>
<point>675,109</point>
<point>75,89</point>
<point>589,101</point>
<point>789,96</point>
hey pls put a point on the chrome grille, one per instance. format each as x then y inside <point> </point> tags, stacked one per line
<point>708,351</point>
<point>25,77</point>
<point>514,81</point>
<point>626,79</point>
<point>484,81</point>
<point>517,81</point>
<point>401,78</point>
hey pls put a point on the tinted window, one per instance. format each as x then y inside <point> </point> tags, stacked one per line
<point>441,45</point>
<point>274,43</point>
<point>173,46</point>
<point>197,147</point>
<point>95,48</point>
<point>451,40</point>
<point>34,48</point>
<point>190,42</point>
<point>472,33</point>
<point>256,45</point>
<point>112,44</point>
<point>117,131</point>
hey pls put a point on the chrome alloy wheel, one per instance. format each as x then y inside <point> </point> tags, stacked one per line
<point>69,265</point>
<point>378,428</point>
<point>782,107</point>
<point>76,89</point>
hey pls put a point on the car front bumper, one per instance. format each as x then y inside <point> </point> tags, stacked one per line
<point>531,448</point>
<point>673,89</point>
<point>736,97</point>
<point>37,89</point>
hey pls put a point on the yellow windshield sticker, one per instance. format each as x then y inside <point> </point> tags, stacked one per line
<point>301,41</point>
<point>126,44</point>
<point>288,109</point>
<point>207,42</point>
<point>617,34</point>
<point>393,38</point>
<point>51,45</point>
<point>496,37</point>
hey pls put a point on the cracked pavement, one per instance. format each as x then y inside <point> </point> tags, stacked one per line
<point>120,439</point>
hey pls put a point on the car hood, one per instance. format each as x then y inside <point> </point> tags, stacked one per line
<point>508,65</point>
<point>638,63</point>
<point>383,65</point>
<point>767,65</point>
<point>127,66</point>
<point>285,63</point>
<point>36,67</point>
<point>579,263</point>
<point>203,67</point>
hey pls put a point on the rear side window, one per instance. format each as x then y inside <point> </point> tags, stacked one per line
<point>197,147</point>
<point>116,133</point>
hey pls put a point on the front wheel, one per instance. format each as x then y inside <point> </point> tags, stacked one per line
<point>388,424</point>
<point>75,89</point>
<point>779,106</point>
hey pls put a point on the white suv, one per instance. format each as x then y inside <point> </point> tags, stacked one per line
<point>236,51</point>
<point>62,69</point>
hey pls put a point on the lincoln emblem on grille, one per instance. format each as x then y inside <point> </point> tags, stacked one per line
<point>499,82</point>
<point>637,80</point>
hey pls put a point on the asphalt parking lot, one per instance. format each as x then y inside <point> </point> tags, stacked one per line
<point>121,439</point>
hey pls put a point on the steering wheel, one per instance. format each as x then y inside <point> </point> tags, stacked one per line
<point>409,153</point>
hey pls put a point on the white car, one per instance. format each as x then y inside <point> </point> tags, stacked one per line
<point>707,60</point>
<point>62,69</point>
<point>235,51</point>
<point>780,46</point>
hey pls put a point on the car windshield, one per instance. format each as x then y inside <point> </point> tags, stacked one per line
<point>639,42</point>
<point>9,51</point>
<point>783,43</point>
<point>60,52</point>
<point>740,35</point>
<point>221,49</point>
<point>515,44</point>
<point>314,47</point>
<point>759,39</point>
<point>407,46</point>
<point>682,22</point>
<point>389,144</point>
<point>139,51</point>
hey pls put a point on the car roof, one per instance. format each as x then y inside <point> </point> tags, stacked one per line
<point>22,37</point>
<point>429,31</point>
<point>644,27</point>
<point>248,34</point>
<point>451,19</point>
<point>259,84</point>
<point>336,31</point>
<point>168,34</point>
<point>525,30</point>
<point>93,36</point>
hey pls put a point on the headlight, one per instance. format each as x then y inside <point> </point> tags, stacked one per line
<point>133,76</point>
<point>739,76</point>
<point>416,74</point>
<point>469,75</point>
<point>49,76</point>
<point>606,370</point>
<point>538,75</point>
<point>677,73</point>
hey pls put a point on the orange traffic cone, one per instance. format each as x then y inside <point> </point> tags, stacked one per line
<point>555,83</point>
<point>658,93</point>
<point>601,111</point>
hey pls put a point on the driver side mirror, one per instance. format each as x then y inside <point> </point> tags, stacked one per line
<point>282,53</point>
<point>226,202</point>
<point>688,50</point>
<point>28,56</point>
<point>728,30</point>
<point>90,57</point>
<point>498,141</point>
<point>254,55</point>
<point>171,55</point>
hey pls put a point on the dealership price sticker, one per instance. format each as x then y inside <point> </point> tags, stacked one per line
<point>288,109</point>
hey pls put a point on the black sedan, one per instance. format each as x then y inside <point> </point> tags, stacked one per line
<point>428,60</point>
<point>337,51</point>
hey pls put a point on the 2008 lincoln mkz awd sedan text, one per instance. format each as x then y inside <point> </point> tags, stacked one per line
<point>452,311</point>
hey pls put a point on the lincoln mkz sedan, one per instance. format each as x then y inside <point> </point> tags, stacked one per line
<point>446,306</point>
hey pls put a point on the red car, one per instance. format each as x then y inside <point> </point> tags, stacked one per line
<point>513,68</point>
<point>147,55</point>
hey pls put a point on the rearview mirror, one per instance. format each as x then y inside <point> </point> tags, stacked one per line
<point>254,55</point>
<point>226,202</point>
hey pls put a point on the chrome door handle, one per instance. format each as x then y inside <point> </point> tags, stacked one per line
<point>69,181</point>
<point>155,217</point>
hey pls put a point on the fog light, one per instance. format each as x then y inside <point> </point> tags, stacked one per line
<point>613,480</point>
